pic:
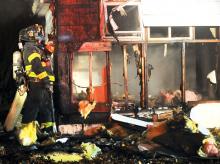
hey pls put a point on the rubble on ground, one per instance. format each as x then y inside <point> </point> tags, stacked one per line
<point>172,98</point>
<point>173,138</point>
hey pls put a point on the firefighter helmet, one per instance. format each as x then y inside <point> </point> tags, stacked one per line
<point>34,33</point>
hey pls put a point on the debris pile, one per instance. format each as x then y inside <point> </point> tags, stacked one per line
<point>173,138</point>
<point>172,98</point>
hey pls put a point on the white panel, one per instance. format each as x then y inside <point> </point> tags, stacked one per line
<point>181,12</point>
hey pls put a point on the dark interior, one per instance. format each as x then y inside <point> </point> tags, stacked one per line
<point>14,15</point>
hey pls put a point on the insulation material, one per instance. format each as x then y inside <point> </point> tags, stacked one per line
<point>206,115</point>
<point>63,157</point>
<point>90,150</point>
<point>212,77</point>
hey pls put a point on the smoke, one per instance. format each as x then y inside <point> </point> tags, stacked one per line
<point>65,38</point>
<point>117,81</point>
<point>167,69</point>
<point>166,74</point>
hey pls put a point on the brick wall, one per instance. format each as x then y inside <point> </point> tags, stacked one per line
<point>77,21</point>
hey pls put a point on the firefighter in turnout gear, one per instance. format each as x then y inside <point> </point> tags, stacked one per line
<point>37,110</point>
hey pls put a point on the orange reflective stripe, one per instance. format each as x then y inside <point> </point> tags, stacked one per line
<point>33,56</point>
<point>43,64</point>
<point>42,75</point>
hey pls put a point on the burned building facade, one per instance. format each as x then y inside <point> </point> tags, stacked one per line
<point>107,46</point>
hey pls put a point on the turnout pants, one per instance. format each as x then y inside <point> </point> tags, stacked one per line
<point>38,104</point>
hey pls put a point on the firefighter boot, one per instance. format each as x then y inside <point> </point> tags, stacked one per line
<point>27,134</point>
<point>45,131</point>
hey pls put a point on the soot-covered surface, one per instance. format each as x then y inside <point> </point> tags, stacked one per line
<point>114,149</point>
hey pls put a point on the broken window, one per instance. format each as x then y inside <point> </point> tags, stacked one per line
<point>158,32</point>
<point>170,33</point>
<point>82,78</point>
<point>180,32</point>
<point>123,19</point>
<point>207,33</point>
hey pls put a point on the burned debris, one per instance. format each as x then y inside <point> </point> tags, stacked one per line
<point>177,140</point>
<point>128,83</point>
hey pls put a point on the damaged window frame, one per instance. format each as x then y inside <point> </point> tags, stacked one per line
<point>170,31</point>
<point>192,34</point>
<point>136,35</point>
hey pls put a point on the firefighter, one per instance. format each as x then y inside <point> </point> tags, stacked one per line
<point>47,63</point>
<point>37,108</point>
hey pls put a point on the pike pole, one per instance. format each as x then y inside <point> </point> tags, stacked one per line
<point>53,113</point>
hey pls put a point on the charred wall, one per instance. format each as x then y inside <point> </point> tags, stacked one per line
<point>166,73</point>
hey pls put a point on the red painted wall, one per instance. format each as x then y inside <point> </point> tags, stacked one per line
<point>77,21</point>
